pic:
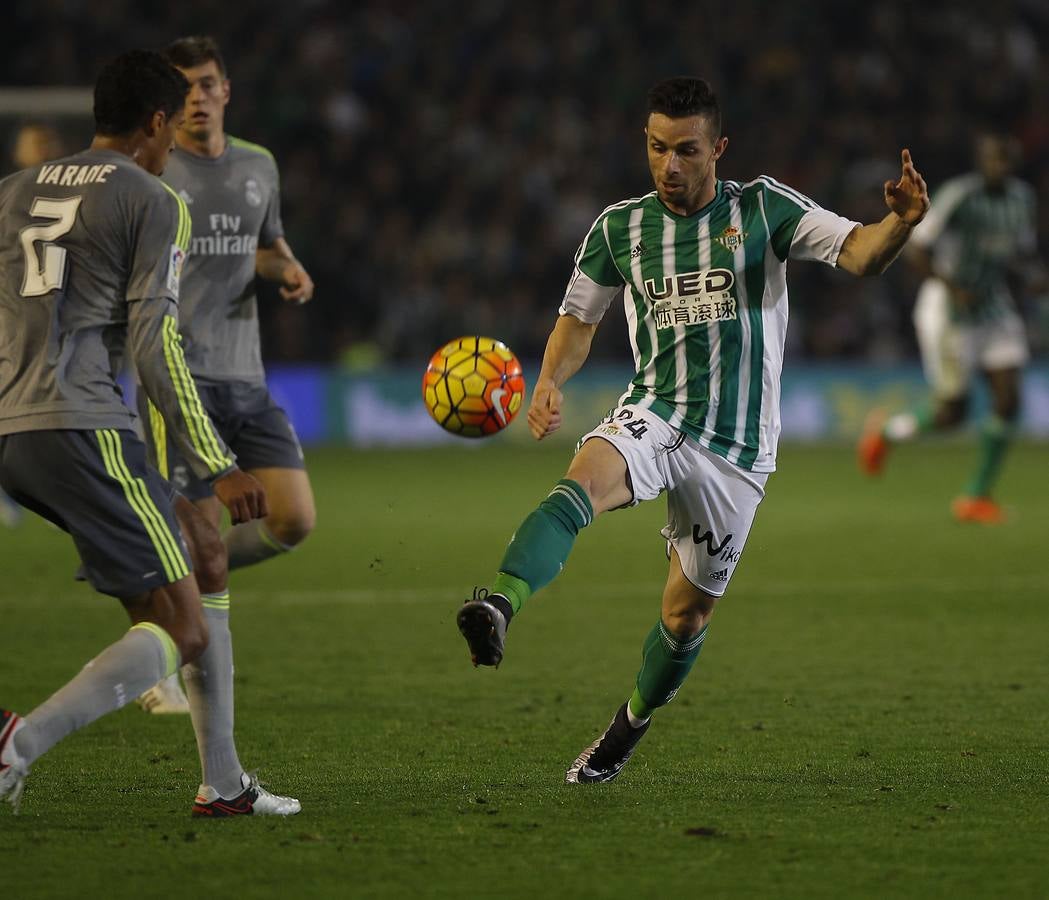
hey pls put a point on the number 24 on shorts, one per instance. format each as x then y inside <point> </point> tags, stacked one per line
<point>626,419</point>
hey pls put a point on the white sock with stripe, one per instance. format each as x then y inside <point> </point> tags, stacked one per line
<point>250,543</point>
<point>209,687</point>
<point>113,678</point>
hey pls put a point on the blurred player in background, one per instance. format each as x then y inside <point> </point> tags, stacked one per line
<point>978,235</point>
<point>701,265</point>
<point>91,247</point>
<point>233,192</point>
<point>34,143</point>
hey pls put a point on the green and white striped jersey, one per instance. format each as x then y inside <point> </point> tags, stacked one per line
<point>706,304</point>
<point>976,235</point>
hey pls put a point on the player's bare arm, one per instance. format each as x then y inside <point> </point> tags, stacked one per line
<point>870,249</point>
<point>278,263</point>
<point>566,350</point>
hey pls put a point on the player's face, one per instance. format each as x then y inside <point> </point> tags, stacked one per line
<point>681,157</point>
<point>154,152</point>
<point>994,159</point>
<point>206,100</point>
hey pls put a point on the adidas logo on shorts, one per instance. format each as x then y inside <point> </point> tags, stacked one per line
<point>720,576</point>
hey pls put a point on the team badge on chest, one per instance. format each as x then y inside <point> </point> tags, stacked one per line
<point>732,238</point>
<point>252,192</point>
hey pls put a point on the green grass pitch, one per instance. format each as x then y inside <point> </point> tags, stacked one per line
<point>868,717</point>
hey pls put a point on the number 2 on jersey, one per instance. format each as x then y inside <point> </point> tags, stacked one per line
<point>46,271</point>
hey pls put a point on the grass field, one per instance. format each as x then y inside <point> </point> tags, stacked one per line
<point>868,717</point>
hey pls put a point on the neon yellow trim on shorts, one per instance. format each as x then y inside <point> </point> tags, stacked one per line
<point>201,431</point>
<point>171,656</point>
<point>139,500</point>
<point>158,429</point>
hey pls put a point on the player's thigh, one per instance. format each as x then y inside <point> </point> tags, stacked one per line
<point>620,462</point>
<point>163,453</point>
<point>947,351</point>
<point>710,509</point>
<point>97,486</point>
<point>290,498</point>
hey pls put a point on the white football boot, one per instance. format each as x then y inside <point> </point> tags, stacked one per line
<point>13,769</point>
<point>254,800</point>
<point>166,697</point>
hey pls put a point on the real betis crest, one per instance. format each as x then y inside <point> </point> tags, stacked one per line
<point>732,238</point>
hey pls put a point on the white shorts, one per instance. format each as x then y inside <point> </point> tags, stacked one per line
<point>710,502</point>
<point>951,352</point>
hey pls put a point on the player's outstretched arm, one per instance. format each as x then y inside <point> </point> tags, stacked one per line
<point>156,348</point>
<point>278,263</point>
<point>566,350</point>
<point>870,249</point>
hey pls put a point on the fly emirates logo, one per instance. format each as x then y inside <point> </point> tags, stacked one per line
<point>225,239</point>
<point>692,298</point>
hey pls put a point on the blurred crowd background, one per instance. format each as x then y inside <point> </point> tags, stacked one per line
<point>441,162</point>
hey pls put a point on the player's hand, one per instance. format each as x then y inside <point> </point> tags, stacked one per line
<point>243,495</point>
<point>297,286</point>
<point>908,197</point>
<point>544,413</point>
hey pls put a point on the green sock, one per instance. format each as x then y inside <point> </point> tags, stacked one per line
<point>539,548</point>
<point>666,662</point>
<point>995,438</point>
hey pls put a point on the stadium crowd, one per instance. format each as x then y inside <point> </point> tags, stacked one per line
<point>440,166</point>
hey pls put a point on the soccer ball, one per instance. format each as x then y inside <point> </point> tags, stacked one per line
<point>473,386</point>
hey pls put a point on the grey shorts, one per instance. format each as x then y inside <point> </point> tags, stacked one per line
<point>97,486</point>
<point>249,421</point>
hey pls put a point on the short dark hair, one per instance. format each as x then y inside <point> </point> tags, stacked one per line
<point>188,52</point>
<point>132,87</point>
<point>684,96</point>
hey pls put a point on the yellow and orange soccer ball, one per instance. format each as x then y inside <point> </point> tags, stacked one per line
<point>473,386</point>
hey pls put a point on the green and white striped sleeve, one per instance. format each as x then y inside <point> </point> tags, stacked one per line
<point>799,228</point>
<point>596,279</point>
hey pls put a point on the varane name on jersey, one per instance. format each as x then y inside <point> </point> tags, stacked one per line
<point>706,304</point>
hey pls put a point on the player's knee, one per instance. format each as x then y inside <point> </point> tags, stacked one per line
<point>291,528</point>
<point>686,620</point>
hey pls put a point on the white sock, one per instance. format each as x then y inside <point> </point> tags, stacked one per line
<point>113,678</point>
<point>209,687</point>
<point>634,721</point>
<point>901,427</point>
<point>250,543</point>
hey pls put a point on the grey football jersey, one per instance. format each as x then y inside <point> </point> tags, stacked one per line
<point>91,247</point>
<point>235,203</point>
